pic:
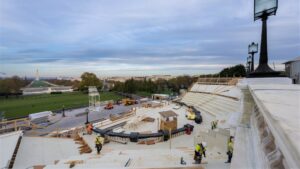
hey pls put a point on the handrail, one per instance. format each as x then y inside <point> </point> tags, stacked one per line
<point>14,125</point>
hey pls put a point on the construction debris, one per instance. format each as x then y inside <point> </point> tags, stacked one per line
<point>114,117</point>
<point>128,162</point>
<point>150,142</point>
<point>148,119</point>
<point>141,142</point>
<point>74,162</point>
<point>38,166</point>
<point>84,148</point>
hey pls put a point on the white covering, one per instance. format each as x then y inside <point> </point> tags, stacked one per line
<point>34,116</point>
<point>226,90</point>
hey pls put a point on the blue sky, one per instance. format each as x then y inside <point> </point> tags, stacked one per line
<point>138,37</point>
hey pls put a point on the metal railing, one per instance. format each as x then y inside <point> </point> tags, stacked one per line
<point>14,125</point>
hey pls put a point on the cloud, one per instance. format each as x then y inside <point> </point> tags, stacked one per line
<point>135,36</point>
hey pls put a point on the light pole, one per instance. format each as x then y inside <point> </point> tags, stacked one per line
<point>262,10</point>
<point>252,49</point>
<point>248,64</point>
<point>63,111</point>
<point>87,116</point>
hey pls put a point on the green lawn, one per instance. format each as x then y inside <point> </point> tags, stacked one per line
<point>148,94</point>
<point>39,83</point>
<point>18,107</point>
<point>143,93</point>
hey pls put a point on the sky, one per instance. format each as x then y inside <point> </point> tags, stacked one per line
<point>138,37</point>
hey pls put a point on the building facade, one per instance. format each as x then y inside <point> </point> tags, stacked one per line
<point>292,69</point>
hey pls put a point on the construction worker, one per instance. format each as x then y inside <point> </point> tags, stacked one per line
<point>214,124</point>
<point>191,115</point>
<point>203,145</point>
<point>199,151</point>
<point>99,141</point>
<point>230,149</point>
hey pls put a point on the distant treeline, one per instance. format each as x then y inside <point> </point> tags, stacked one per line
<point>159,86</point>
<point>11,86</point>
<point>234,71</point>
<point>175,84</point>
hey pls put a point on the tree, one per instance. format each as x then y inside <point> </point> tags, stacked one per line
<point>237,70</point>
<point>129,86</point>
<point>89,79</point>
<point>76,85</point>
<point>12,85</point>
<point>118,86</point>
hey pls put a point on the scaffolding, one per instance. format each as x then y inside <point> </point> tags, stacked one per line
<point>94,99</point>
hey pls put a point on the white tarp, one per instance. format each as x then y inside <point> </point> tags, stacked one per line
<point>34,116</point>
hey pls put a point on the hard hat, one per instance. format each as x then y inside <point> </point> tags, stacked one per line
<point>204,144</point>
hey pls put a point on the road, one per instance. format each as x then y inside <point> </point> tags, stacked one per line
<point>71,120</point>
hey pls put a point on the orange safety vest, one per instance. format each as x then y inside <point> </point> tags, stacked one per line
<point>89,127</point>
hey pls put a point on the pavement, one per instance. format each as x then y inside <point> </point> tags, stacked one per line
<point>57,122</point>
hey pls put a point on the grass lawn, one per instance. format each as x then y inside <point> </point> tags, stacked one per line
<point>143,93</point>
<point>19,107</point>
<point>148,94</point>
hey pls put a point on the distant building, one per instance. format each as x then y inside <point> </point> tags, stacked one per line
<point>160,96</point>
<point>37,75</point>
<point>117,79</point>
<point>157,77</point>
<point>292,69</point>
<point>141,78</point>
<point>46,90</point>
<point>38,86</point>
<point>68,78</point>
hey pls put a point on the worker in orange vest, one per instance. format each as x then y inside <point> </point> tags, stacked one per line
<point>89,128</point>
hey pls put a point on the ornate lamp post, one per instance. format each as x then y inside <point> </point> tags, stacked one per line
<point>262,10</point>
<point>252,49</point>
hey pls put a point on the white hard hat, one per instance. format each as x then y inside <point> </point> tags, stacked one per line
<point>204,144</point>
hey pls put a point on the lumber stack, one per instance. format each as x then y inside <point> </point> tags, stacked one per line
<point>84,148</point>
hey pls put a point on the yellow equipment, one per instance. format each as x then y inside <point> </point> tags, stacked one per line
<point>191,114</point>
<point>127,102</point>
